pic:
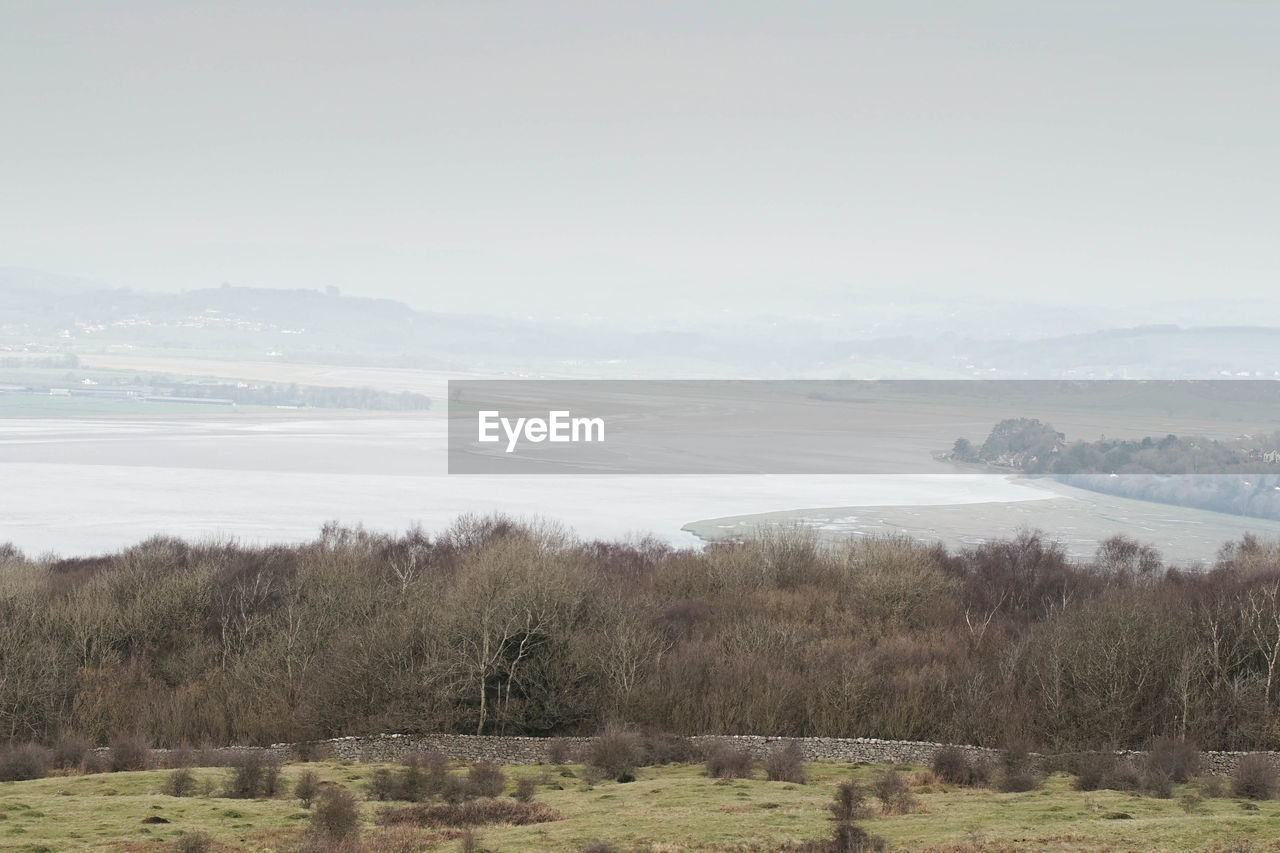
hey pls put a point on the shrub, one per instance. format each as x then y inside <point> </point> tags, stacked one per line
<point>477,812</point>
<point>192,842</point>
<point>850,802</point>
<point>272,782</point>
<point>1016,773</point>
<point>890,788</point>
<point>252,776</point>
<point>616,753</point>
<point>1100,770</point>
<point>1212,787</point>
<point>957,767</point>
<point>128,752</point>
<point>383,785</point>
<point>1175,758</point>
<point>525,790</point>
<point>306,788</point>
<point>486,780</point>
<point>94,762</point>
<point>456,789</point>
<point>335,814</point>
<point>1157,783</point>
<point>1012,781</point>
<point>851,838</point>
<point>1254,778</point>
<point>70,751</point>
<point>785,763</point>
<point>1091,770</point>
<point>21,762</point>
<point>180,756</point>
<point>725,761</point>
<point>665,748</point>
<point>412,782</point>
<point>181,783</point>
<point>559,751</point>
<point>1123,776</point>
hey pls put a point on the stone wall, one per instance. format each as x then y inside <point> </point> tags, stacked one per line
<point>530,750</point>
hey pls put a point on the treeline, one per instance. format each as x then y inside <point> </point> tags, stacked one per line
<point>497,628</point>
<point>1240,477</point>
<point>309,396</point>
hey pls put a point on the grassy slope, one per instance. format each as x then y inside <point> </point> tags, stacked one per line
<point>673,808</point>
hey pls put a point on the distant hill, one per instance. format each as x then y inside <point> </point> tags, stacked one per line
<point>59,314</point>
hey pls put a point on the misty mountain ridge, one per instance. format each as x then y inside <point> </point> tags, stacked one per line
<point>46,313</point>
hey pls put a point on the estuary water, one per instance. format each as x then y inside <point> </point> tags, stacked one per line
<point>88,485</point>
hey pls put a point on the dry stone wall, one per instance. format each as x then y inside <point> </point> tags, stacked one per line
<point>531,750</point>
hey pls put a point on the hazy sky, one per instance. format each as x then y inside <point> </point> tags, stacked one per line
<point>626,158</point>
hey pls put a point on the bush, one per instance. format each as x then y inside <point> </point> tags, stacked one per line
<point>1157,783</point>
<point>559,751</point>
<point>851,838</point>
<point>1100,770</point>
<point>1013,781</point>
<point>785,763</point>
<point>272,781</point>
<point>665,748</point>
<point>1092,770</point>
<point>383,785</point>
<point>181,783</point>
<point>180,756</point>
<point>477,812</point>
<point>1212,787</point>
<point>192,842</point>
<point>94,762</point>
<point>335,814</point>
<point>253,776</point>
<point>70,751</point>
<point>616,753</point>
<point>957,767</point>
<point>1254,778</point>
<point>21,762</point>
<point>1124,776</point>
<point>850,802</point>
<point>1016,773</point>
<point>725,761</point>
<point>486,780</point>
<point>456,789</point>
<point>1191,802</point>
<point>422,776</point>
<point>306,788</point>
<point>890,788</point>
<point>1177,759</point>
<point>413,779</point>
<point>129,752</point>
<point>525,790</point>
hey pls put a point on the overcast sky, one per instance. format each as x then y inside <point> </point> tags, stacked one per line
<point>640,158</point>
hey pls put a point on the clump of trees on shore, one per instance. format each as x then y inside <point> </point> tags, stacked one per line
<point>501,628</point>
<point>1240,477</point>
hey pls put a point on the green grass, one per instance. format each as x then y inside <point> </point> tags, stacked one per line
<point>665,809</point>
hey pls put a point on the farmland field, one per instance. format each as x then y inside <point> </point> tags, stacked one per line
<point>667,809</point>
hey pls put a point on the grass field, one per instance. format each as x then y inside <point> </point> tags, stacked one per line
<point>666,809</point>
